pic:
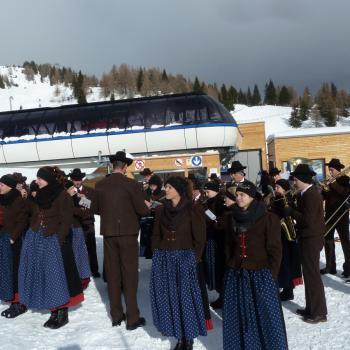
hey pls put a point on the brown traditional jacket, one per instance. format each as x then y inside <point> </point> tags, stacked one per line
<point>119,201</point>
<point>259,247</point>
<point>16,218</point>
<point>190,233</point>
<point>309,214</point>
<point>57,219</point>
<point>338,191</point>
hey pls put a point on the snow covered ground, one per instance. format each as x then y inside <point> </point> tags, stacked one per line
<point>90,325</point>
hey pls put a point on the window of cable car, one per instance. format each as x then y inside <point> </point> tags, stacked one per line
<point>214,114</point>
<point>155,113</point>
<point>136,117</point>
<point>175,111</point>
<point>118,119</point>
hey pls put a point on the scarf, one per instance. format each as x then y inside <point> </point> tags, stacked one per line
<point>9,197</point>
<point>243,220</point>
<point>46,195</point>
<point>171,217</point>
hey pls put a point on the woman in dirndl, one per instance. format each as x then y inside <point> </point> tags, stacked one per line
<point>252,313</point>
<point>77,236</point>
<point>14,225</point>
<point>178,241</point>
<point>48,277</point>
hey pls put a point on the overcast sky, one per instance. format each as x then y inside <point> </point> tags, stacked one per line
<point>239,42</point>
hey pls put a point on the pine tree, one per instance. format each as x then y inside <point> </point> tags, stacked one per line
<point>112,98</point>
<point>232,96</point>
<point>256,99</point>
<point>305,105</point>
<point>249,97</point>
<point>294,120</point>
<point>2,84</point>
<point>270,94</point>
<point>315,116</point>
<point>326,105</point>
<point>284,97</point>
<point>196,85</point>
<point>78,88</point>
<point>223,95</point>
<point>139,80</point>
<point>241,97</point>
<point>334,91</point>
<point>164,75</point>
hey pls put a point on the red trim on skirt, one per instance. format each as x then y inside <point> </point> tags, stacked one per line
<point>209,325</point>
<point>85,282</point>
<point>15,299</point>
<point>298,281</point>
<point>77,299</point>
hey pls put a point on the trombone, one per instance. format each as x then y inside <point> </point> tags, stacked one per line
<point>346,203</point>
<point>326,183</point>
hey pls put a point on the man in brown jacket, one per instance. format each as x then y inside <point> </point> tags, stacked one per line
<point>119,201</point>
<point>310,227</point>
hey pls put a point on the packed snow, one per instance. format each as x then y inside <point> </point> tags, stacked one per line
<point>90,327</point>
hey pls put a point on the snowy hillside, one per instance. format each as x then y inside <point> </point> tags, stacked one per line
<point>33,94</point>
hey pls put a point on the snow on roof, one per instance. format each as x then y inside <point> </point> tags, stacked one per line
<point>277,125</point>
<point>311,132</point>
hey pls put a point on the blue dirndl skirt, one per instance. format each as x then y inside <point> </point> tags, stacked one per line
<point>42,281</point>
<point>6,268</point>
<point>80,252</point>
<point>252,313</point>
<point>210,264</point>
<point>177,306</point>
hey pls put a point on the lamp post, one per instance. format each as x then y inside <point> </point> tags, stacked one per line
<point>11,99</point>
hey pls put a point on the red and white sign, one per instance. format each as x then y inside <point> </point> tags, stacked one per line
<point>179,162</point>
<point>139,164</point>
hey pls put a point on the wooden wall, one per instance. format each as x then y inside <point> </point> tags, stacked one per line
<point>253,137</point>
<point>211,161</point>
<point>311,147</point>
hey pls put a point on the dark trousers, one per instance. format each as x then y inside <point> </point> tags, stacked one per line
<point>342,228</point>
<point>121,267</point>
<point>310,249</point>
<point>90,240</point>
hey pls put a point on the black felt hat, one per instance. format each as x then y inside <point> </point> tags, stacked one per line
<point>121,157</point>
<point>212,186</point>
<point>303,173</point>
<point>76,174</point>
<point>236,166</point>
<point>248,188</point>
<point>179,183</point>
<point>335,163</point>
<point>274,172</point>
<point>284,184</point>
<point>9,180</point>
<point>146,172</point>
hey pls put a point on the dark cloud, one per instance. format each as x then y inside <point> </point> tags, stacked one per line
<point>240,42</point>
